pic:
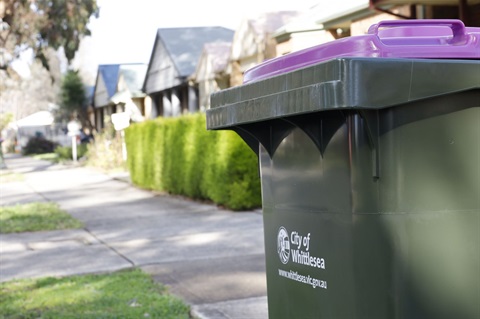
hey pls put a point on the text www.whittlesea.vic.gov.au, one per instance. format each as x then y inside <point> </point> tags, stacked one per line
<point>293,275</point>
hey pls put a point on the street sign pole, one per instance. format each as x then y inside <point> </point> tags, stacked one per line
<point>73,131</point>
<point>74,148</point>
<point>120,122</point>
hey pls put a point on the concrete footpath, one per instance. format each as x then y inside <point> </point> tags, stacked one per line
<point>211,258</point>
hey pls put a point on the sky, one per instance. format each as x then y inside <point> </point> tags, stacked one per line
<point>125,30</point>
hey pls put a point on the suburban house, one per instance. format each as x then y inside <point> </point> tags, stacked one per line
<point>118,89</point>
<point>175,55</point>
<point>210,73</point>
<point>129,97</point>
<point>330,21</point>
<point>362,18</point>
<point>303,31</point>
<point>252,43</point>
<point>188,64</point>
<point>466,10</point>
<point>106,80</point>
<point>325,23</point>
<point>89,109</point>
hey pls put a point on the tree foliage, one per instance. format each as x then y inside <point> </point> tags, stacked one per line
<point>39,24</point>
<point>73,98</point>
<point>5,119</point>
<point>24,96</point>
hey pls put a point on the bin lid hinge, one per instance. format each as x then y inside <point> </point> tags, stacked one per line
<point>270,134</point>
<point>320,127</point>
<point>247,137</point>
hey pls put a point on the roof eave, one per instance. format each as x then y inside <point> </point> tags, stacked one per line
<point>337,20</point>
<point>283,33</point>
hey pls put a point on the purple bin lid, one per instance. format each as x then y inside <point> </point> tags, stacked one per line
<point>429,39</point>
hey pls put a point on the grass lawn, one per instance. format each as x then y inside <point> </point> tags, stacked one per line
<point>52,157</point>
<point>35,217</point>
<point>124,294</point>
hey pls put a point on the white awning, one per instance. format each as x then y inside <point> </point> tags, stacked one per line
<point>42,118</point>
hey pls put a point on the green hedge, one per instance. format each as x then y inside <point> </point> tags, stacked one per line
<point>65,152</point>
<point>38,145</point>
<point>180,156</point>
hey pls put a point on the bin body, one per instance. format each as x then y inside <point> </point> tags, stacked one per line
<point>370,172</point>
<point>405,245</point>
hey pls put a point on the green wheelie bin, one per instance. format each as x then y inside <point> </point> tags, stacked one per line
<point>369,157</point>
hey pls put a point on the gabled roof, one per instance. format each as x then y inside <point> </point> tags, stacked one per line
<point>185,44</point>
<point>214,59</point>
<point>257,29</point>
<point>268,22</point>
<point>109,73</point>
<point>134,74</point>
<point>220,53</point>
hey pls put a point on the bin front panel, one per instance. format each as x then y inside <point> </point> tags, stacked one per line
<point>341,243</point>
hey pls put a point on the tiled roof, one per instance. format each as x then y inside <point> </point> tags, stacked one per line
<point>220,53</point>
<point>269,22</point>
<point>109,73</point>
<point>185,44</point>
<point>134,74</point>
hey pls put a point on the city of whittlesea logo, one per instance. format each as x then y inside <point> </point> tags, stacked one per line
<point>283,245</point>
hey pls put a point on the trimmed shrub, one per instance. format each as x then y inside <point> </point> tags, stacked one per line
<point>105,151</point>
<point>179,156</point>
<point>38,145</point>
<point>65,152</point>
<point>199,148</point>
